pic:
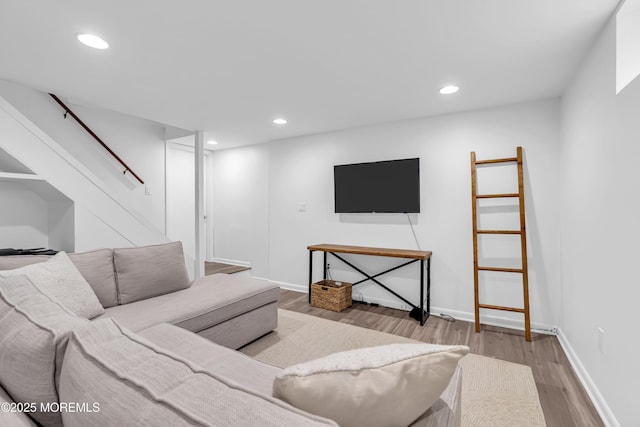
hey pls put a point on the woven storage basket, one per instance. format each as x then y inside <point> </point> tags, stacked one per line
<point>325,294</point>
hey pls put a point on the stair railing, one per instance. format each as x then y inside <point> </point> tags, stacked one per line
<point>67,110</point>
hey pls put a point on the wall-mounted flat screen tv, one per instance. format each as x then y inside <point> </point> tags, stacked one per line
<point>388,186</point>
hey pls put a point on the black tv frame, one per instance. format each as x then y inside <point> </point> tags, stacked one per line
<point>411,204</point>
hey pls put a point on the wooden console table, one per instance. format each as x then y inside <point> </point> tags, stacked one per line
<point>418,311</point>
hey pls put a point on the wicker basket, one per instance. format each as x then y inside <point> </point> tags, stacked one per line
<point>325,294</point>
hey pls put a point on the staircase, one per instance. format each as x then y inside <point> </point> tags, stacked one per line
<point>99,218</point>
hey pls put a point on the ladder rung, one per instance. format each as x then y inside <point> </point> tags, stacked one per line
<point>506,270</point>
<point>499,232</point>
<point>498,307</point>
<point>496,196</point>
<point>505,160</point>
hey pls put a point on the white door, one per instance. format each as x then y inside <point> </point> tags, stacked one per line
<point>181,203</point>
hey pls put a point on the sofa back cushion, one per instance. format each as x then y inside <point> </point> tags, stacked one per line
<point>34,331</point>
<point>16,261</point>
<point>95,266</point>
<point>59,278</point>
<point>149,271</point>
<point>97,269</point>
<point>136,382</point>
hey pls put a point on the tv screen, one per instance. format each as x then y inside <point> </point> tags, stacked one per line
<point>389,186</point>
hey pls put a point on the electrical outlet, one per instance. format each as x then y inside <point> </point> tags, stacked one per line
<point>147,190</point>
<point>601,342</point>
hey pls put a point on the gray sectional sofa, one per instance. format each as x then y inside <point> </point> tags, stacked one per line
<point>142,287</point>
<point>135,359</point>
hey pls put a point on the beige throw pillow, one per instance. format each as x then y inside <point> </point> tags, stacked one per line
<point>383,386</point>
<point>34,331</point>
<point>59,279</point>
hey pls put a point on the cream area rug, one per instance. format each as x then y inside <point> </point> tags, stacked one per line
<point>495,393</point>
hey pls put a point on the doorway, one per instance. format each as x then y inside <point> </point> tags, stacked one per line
<point>180,204</point>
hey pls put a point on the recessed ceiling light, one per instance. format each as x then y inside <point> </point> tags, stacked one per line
<point>279,121</point>
<point>448,90</point>
<point>92,41</point>
<point>212,142</point>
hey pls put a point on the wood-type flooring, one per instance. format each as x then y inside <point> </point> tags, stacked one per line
<point>564,401</point>
<point>218,267</point>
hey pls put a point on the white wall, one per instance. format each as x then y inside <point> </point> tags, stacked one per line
<point>181,214</point>
<point>600,229</point>
<point>23,218</point>
<point>239,181</point>
<point>138,142</point>
<point>62,225</point>
<point>259,189</point>
<point>34,215</point>
<point>92,232</point>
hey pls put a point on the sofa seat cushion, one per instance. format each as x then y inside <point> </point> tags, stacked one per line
<point>213,357</point>
<point>139,383</point>
<point>211,300</point>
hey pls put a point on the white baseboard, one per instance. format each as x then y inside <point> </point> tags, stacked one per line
<point>288,286</point>
<point>231,262</point>
<point>608,418</point>
<point>493,320</point>
<point>459,315</point>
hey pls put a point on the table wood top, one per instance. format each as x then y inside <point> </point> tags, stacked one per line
<point>365,250</point>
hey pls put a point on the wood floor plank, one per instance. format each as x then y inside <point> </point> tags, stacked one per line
<point>564,401</point>
<point>218,267</point>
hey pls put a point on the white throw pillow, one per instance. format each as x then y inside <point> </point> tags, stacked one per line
<point>59,279</point>
<point>385,386</point>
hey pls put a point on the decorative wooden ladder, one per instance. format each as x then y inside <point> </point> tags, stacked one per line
<point>521,232</point>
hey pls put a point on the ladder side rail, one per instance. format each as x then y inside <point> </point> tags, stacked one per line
<point>474,214</point>
<point>523,242</point>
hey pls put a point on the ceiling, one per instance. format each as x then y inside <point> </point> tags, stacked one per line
<point>230,67</point>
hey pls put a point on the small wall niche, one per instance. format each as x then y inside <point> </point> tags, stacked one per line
<point>34,214</point>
